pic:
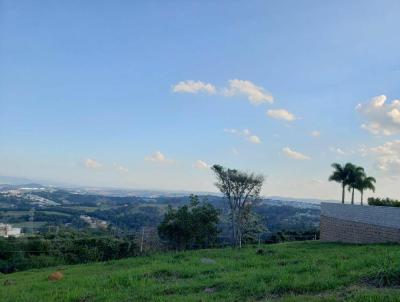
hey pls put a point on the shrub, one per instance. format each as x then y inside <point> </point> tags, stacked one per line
<point>383,202</point>
<point>190,226</point>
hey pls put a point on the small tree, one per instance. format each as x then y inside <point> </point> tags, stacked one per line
<point>241,190</point>
<point>190,226</point>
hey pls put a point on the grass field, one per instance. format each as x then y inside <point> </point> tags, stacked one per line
<point>300,271</point>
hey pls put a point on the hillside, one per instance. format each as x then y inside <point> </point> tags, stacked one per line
<point>300,271</point>
<point>37,207</point>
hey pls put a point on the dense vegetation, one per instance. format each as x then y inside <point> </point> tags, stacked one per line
<point>128,216</point>
<point>190,226</point>
<point>65,247</point>
<point>383,202</point>
<point>60,236</point>
<point>303,271</point>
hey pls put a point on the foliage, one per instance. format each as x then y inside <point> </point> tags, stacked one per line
<point>387,202</point>
<point>387,275</point>
<point>291,235</point>
<point>354,178</point>
<point>65,247</point>
<point>340,174</point>
<point>190,226</point>
<point>365,183</point>
<point>253,227</point>
<point>296,272</point>
<point>242,191</point>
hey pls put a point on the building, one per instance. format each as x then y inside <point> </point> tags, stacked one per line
<point>6,230</point>
<point>359,224</point>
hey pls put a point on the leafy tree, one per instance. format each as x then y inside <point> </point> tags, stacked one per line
<point>365,183</point>
<point>190,226</point>
<point>242,191</point>
<point>253,227</point>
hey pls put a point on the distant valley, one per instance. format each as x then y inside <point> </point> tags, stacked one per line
<point>39,208</point>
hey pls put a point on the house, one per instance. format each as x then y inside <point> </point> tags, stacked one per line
<point>6,230</point>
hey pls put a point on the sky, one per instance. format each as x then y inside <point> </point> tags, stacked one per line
<point>150,94</point>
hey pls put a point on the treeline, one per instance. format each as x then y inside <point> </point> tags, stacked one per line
<point>383,202</point>
<point>65,247</point>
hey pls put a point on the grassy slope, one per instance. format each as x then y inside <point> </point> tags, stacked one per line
<point>302,271</point>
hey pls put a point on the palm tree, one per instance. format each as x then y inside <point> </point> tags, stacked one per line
<point>340,175</point>
<point>365,183</point>
<point>354,177</point>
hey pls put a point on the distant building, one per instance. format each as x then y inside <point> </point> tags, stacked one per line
<point>93,222</point>
<point>6,230</point>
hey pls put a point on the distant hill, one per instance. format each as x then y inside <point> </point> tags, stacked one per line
<point>150,193</point>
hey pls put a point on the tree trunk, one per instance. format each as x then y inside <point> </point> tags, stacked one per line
<point>352,196</point>
<point>362,198</point>
<point>343,190</point>
<point>233,229</point>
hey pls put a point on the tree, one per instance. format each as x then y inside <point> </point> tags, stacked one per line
<point>190,226</point>
<point>253,227</point>
<point>340,174</point>
<point>354,177</point>
<point>365,183</point>
<point>241,190</point>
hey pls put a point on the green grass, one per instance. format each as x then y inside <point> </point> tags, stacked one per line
<point>301,271</point>
<point>14,213</point>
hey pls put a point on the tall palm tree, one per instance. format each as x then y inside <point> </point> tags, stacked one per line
<point>340,174</point>
<point>365,183</point>
<point>354,177</point>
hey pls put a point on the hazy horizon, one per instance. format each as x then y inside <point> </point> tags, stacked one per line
<point>148,95</point>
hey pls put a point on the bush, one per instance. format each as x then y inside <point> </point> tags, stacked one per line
<point>383,202</point>
<point>387,276</point>
<point>190,226</point>
<point>23,253</point>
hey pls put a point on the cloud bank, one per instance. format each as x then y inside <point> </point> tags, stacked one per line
<point>381,118</point>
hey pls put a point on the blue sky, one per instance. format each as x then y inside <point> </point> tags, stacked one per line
<point>146,94</point>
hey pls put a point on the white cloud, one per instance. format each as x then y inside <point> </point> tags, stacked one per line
<point>255,94</point>
<point>381,118</point>
<point>246,133</point>
<point>294,154</point>
<point>235,151</point>
<point>315,133</point>
<point>254,139</point>
<point>92,164</point>
<point>193,87</point>
<point>281,114</point>
<point>158,157</point>
<point>199,164</point>
<point>317,181</point>
<point>387,157</point>
<point>120,168</point>
<point>337,150</point>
